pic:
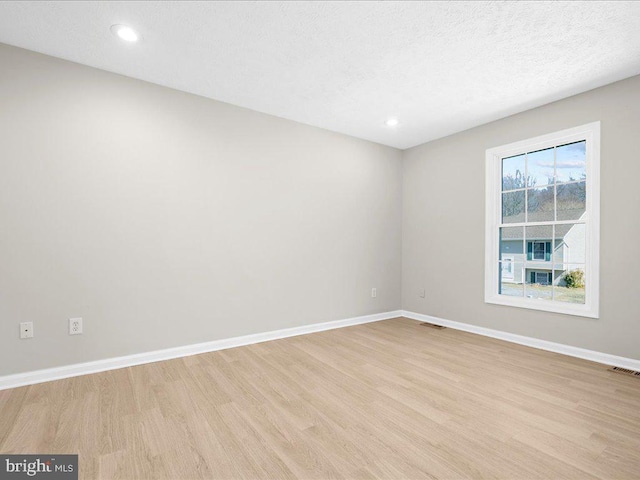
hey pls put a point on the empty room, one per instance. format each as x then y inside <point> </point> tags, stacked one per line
<point>319,240</point>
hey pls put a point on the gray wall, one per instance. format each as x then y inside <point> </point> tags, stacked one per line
<point>166,219</point>
<point>443,223</point>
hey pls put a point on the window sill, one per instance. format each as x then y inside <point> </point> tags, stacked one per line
<point>580,310</point>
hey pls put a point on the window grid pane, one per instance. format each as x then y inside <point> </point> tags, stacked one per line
<point>547,195</point>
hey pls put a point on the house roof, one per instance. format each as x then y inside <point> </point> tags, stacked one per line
<point>540,232</point>
<point>536,232</point>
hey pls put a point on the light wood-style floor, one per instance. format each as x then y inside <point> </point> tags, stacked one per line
<point>390,399</point>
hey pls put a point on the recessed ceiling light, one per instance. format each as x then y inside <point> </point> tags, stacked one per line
<point>127,34</point>
<point>391,122</point>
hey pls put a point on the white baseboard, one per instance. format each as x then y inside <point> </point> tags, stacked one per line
<point>39,376</point>
<point>57,373</point>
<point>583,353</point>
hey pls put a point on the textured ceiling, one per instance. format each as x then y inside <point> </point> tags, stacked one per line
<point>439,67</point>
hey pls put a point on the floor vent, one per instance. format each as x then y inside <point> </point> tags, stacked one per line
<point>626,371</point>
<point>432,325</point>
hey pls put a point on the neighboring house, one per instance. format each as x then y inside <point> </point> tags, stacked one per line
<point>547,259</point>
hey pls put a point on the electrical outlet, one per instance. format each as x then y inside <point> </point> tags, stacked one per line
<point>374,292</point>
<point>422,293</point>
<point>26,330</point>
<point>75,326</point>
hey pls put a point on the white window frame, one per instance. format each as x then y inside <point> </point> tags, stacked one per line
<point>589,132</point>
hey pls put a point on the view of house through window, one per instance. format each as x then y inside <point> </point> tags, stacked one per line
<point>542,234</point>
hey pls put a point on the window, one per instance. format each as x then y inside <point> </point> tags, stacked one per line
<point>539,250</point>
<point>542,222</point>
<point>542,278</point>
